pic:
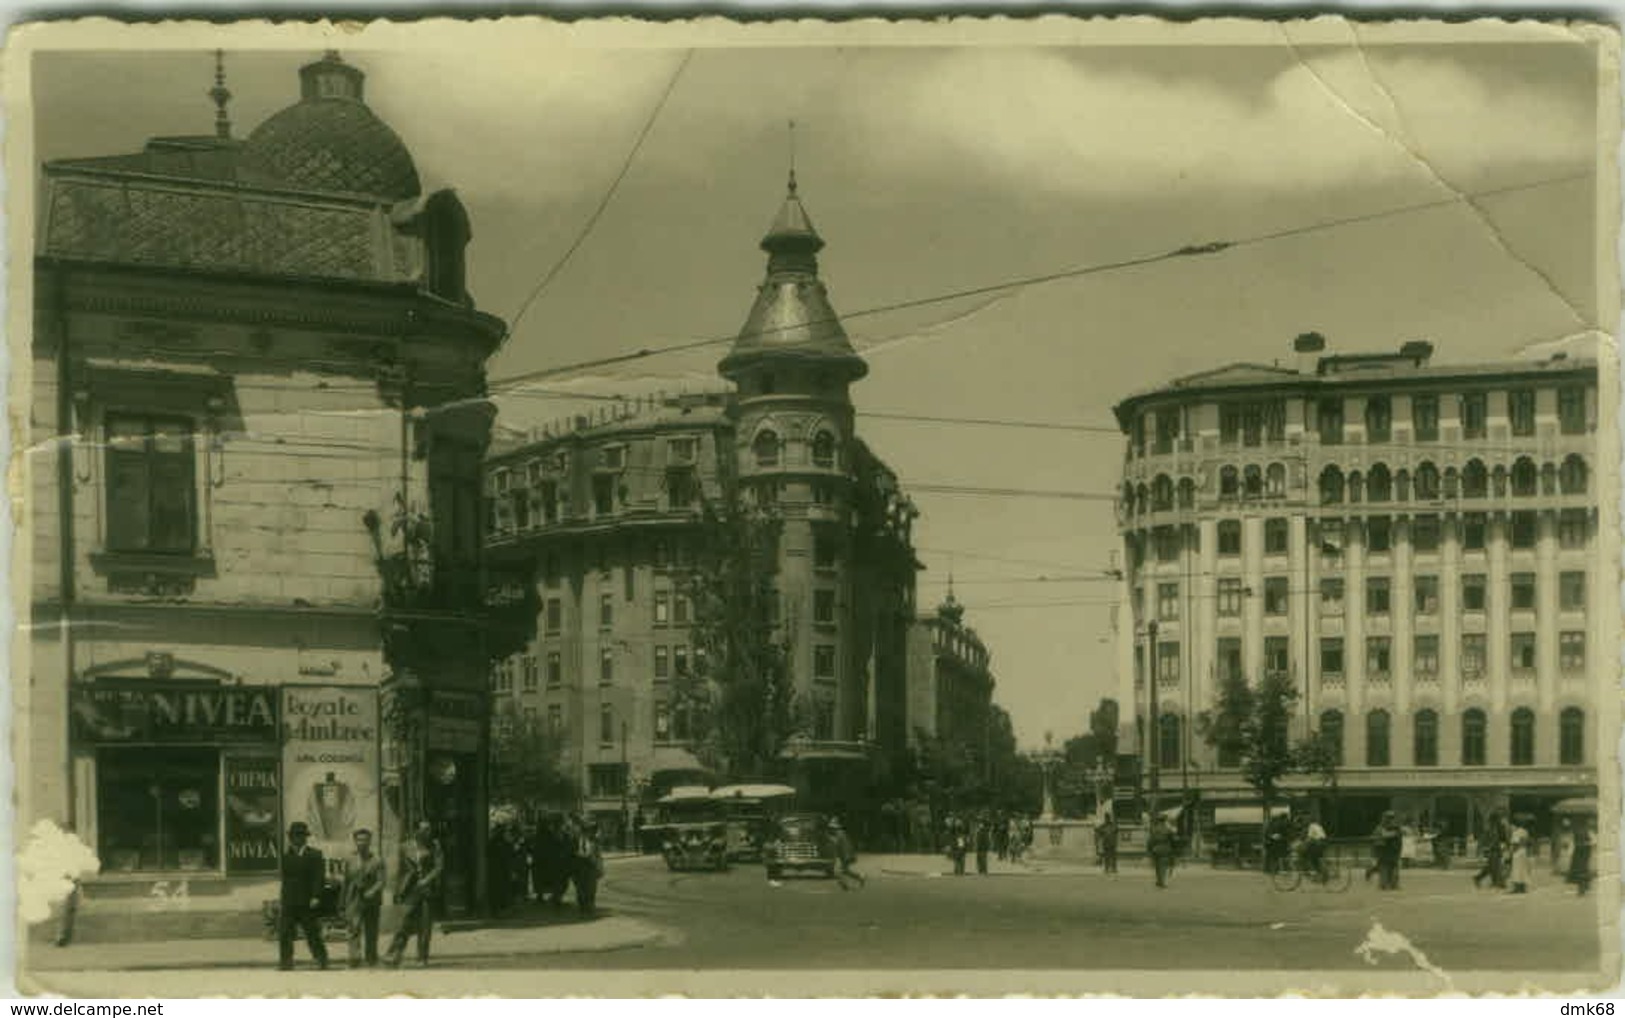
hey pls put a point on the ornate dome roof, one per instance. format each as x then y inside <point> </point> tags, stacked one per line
<point>331,141</point>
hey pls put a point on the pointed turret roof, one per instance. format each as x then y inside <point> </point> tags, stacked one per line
<point>792,316</point>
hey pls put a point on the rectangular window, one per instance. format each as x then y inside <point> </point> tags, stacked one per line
<point>1376,595</point>
<point>1573,528</point>
<point>681,491</point>
<point>1229,597</point>
<point>823,661</point>
<point>1571,410</point>
<point>1275,655</point>
<point>606,666</point>
<point>1379,658</point>
<point>628,579</point>
<point>1167,601</point>
<point>1229,537</point>
<point>1167,540</point>
<point>1275,595</point>
<point>1473,655</point>
<point>679,659</point>
<point>1230,423</point>
<point>151,490</point>
<point>1524,530</point>
<point>1275,537</point>
<point>1427,595</point>
<point>1425,651</point>
<point>1571,587</point>
<point>1229,660</point>
<point>1425,533</point>
<point>679,610</point>
<point>1571,651</point>
<point>1523,591</point>
<point>1472,739</point>
<point>1331,656</point>
<point>1474,530</point>
<point>1473,589</point>
<point>662,721</point>
<point>1167,431</point>
<point>662,608</point>
<point>555,615</point>
<point>1331,595</point>
<point>1379,417</point>
<point>1425,418</point>
<point>606,723</point>
<point>1523,652</point>
<point>606,611</point>
<point>555,670</point>
<point>823,552</point>
<point>1474,415</point>
<point>521,509</point>
<point>603,494</point>
<point>550,501</point>
<point>555,720</point>
<point>1521,411</point>
<point>532,674</point>
<point>824,607</point>
<point>662,663</point>
<point>680,450</point>
<point>1379,534</point>
<point>1330,421</point>
<point>606,781</point>
<point>1168,663</point>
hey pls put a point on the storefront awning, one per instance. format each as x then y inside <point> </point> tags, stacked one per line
<point>674,758</point>
<point>1237,815</point>
<point>1576,807</point>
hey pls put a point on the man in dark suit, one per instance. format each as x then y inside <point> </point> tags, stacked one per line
<point>304,875</point>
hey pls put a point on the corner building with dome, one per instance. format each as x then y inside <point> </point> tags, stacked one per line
<point>1419,546</point>
<point>257,418</point>
<point>601,512</point>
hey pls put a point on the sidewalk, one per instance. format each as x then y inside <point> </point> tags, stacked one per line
<point>927,865</point>
<point>608,932</point>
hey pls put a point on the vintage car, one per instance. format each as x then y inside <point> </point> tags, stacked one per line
<point>799,841</point>
<point>695,846</point>
<point>751,811</point>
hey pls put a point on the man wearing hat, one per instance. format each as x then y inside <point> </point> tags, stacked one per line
<point>841,845</point>
<point>304,874</point>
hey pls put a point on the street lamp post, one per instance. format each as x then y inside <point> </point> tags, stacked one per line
<point>1151,665</point>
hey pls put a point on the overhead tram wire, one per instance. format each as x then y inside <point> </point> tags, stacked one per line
<point>1188,251</point>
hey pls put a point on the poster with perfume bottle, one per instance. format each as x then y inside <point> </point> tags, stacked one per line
<point>330,765</point>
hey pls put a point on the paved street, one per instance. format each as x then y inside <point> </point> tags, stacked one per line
<point>911,916</point>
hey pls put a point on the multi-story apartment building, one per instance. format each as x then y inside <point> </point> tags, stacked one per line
<point>601,514</point>
<point>233,338</point>
<point>1416,545</point>
<point>950,679</point>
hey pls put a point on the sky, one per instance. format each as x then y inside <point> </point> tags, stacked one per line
<point>932,170</point>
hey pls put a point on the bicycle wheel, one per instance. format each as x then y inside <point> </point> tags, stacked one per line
<point>1287,878</point>
<point>1338,877</point>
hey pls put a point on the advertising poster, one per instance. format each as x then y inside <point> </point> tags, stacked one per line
<point>330,765</point>
<point>253,834</point>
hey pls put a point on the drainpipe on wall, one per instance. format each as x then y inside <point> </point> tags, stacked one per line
<point>66,546</point>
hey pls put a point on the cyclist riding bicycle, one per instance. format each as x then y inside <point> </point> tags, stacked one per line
<point>1314,850</point>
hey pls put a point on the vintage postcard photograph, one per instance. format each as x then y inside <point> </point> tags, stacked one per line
<point>815,508</point>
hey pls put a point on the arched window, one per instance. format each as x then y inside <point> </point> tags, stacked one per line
<point>1162,494</point>
<point>1379,485</point>
<point>1572,478</point>
<point>1331,730</point>
<point>1523,737</point>
<point>1229,482</point>
<point>1187,493</point>
<point>1548,478</point>
<point>1168,741</point>
<point>1253,482</point>
<point>1475,480</point>
<point>823,450</point>
<point>1275,480</point>
<point>1571,727</point>
<point>1356,486</point>
<point>1472,738</point>
<point>1427,482</point>
<point>1376,739</point>
<point>1427,739</point>
<point>1331,486</point>
<point>766,448</point>
<point>1525,477</point>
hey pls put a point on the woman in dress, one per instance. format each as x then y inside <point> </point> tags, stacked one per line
<point>1518,849</point>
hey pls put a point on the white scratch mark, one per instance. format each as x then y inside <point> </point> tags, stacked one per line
<point>47,867</point>
<point>1387,941</point>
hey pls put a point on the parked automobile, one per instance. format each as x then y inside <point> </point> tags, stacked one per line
<point>695,846</point>
<point>751,811</point>
<point>800,842</point>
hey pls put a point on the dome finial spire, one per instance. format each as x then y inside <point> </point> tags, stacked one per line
<point>792,157</point>
<point>221,96</point>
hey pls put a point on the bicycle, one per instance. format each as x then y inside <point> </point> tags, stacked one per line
<point>1292,874</point>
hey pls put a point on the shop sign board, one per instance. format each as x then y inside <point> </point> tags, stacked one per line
<point>141,711</point>
<point>330,758</point>
<point>253,828</point>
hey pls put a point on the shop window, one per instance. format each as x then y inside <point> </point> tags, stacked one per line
<point>1523,737</point>
<point>1376,739</point>
<point>1426,748</point>
<point>1472,738</point>
<point>151,489</point>
<point>158,808</point>
<point>1571,737</point>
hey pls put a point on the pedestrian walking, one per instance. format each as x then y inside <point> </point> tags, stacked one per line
<point>586,865</point>
<point>958,843</point>
<point>416,889</point>
<point>1519,866</point>
<point>304,878</point>
<point>365,876</point>
<point>1580,858</point>
<point>845,856</point>
<point>1159,844</point>
<point>984,842</point>
<point>1495,845</point>
<point>1106,835</point>
<point>1387,844</point>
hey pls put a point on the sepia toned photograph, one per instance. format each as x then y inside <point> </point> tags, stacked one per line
<point>806,508</point>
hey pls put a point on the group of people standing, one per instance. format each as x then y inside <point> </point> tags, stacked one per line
<point>303,901</point>
<point>560,851</point>
<point>1509,855</point>
<point>984,835</point>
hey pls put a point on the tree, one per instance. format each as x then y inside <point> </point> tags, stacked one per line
<point>526,770</point>
<point>1103,722</point>
<point>738,697</point>
<point>1254,727</point>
